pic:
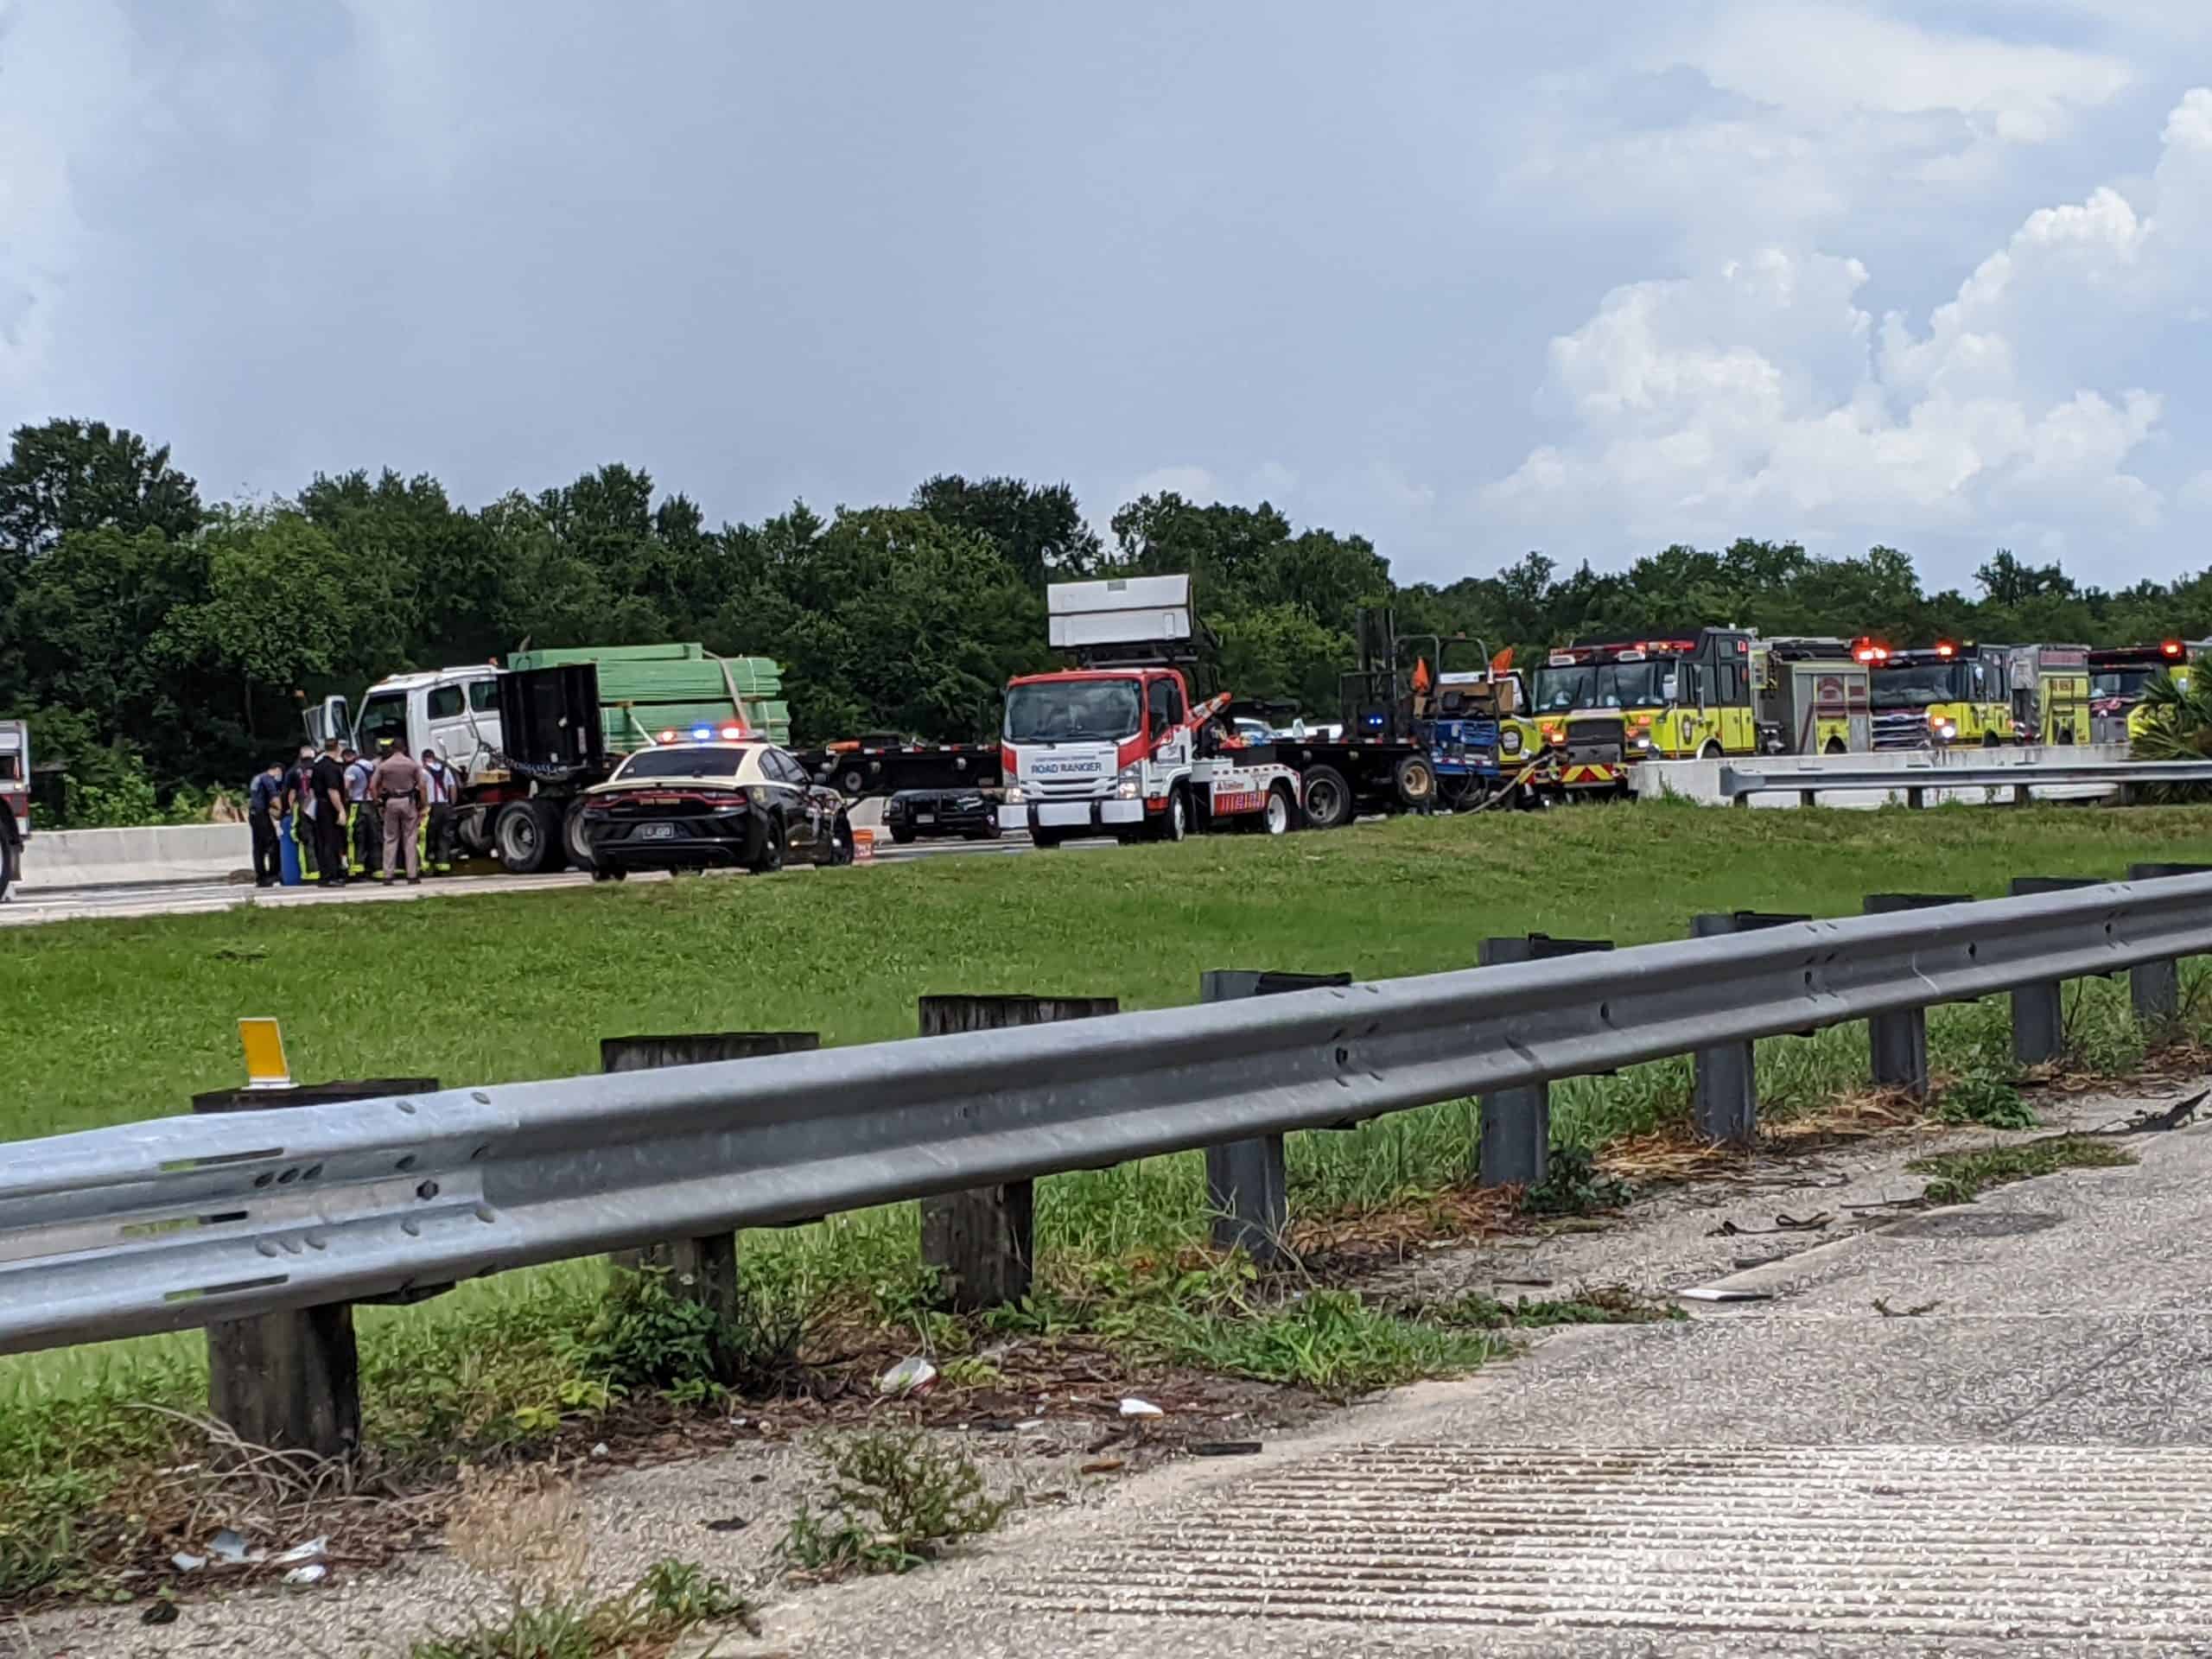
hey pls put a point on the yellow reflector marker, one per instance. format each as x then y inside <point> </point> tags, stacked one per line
<point>264,1054</point>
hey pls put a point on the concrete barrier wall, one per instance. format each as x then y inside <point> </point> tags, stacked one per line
<point>181,852</point>
<point>1700,780</point>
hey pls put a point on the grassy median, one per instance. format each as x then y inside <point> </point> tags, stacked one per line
<point>114,1020</point>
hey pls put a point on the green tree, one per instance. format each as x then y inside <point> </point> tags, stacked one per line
<point>71,475</point>
<point>1038,529</point>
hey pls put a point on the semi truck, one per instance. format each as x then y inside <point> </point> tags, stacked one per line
<point>1117,745</point>
<point>14,800</point>
<point>530,737</point>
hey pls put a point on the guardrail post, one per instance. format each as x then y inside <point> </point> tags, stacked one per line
<point>292,1380</point>
<point>1725,1094</point>
<point>1897,1043</point>
<point>702,1270</point>
<point>2039,1010</point>
<point>1247,1185</point>
<point>1515,1144</point>
<point>2154,987</point>
<point>983,1241</point>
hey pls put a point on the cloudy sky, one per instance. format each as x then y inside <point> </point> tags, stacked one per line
<point>1470,278</point>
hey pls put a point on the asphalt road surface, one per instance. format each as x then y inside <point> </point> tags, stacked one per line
<point>1981,1431</point>
<point>29,904</point>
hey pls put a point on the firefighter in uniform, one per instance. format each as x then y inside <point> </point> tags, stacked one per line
<point>299,812</point>
<point>440,783</point>
<point>363,826</point>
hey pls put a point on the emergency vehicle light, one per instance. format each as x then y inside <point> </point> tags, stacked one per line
<point>1944,648</point>
<point>731,734</point>
<point>700,734</point>
<point>2171,648</point>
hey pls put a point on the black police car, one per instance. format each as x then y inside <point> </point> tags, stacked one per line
<point>913,815</point>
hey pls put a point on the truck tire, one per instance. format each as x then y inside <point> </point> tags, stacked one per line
<point>9,855</point>
<point>1276,818</point>
<point>1328,798</point>
<point>527,837</point>
<point>903,837</point>
<point>1046,840</point>
<point>474,825</point>
<point>573,841</point>
<point>1175,818</point>
<point>770,858</point>
<point>1414,781</point>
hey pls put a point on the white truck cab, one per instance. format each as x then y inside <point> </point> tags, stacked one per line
<point>455,709</point>
<point>1115,747</point>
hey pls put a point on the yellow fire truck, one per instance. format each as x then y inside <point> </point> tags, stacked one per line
<point>2051,695</point>
<point>1601,705</point>
<point>1945,694</point>
<point>2117,676</point>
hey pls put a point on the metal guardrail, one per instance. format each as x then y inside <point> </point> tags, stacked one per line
<point>184,1222</point>
<point>1738,782</point>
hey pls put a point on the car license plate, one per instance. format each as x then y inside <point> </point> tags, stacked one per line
<point>657,832</point>
<point>924,817</point>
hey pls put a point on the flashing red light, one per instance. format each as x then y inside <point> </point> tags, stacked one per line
<point>2172,647</point>
<point>668,737</point>
<point>1944,649</point>
<point>1866,651</point>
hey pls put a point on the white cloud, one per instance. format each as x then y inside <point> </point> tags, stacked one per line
<point>1763,392</point>
<point>1825,61</point>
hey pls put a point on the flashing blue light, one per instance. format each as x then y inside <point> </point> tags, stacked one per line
<point>1374,720</point>
<point>703,733</point>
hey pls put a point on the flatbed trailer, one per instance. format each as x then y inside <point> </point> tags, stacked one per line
<point>1345,777</point>
<point>886,764</point>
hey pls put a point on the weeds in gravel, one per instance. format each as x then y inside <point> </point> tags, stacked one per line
<point>1990,1101</point>
<point>895,1502</point>
<point>1574,1186</point>
<point>1961,1177</point>
<point>1598,1305</point>
<point>671,1600</point>
<point>521,1529</point>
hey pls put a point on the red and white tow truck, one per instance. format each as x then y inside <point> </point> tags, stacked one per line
<point>1114,746</point>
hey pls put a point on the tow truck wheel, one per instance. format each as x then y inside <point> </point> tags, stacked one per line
<point>1415,782</point>
<point>1175,821</point>
<point>1275,819</point>
<point>527,837</point>
<point>1328,798</point>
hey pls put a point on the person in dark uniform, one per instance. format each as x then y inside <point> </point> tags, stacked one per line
<point>328,784</point>
<point>441,784</point>
<point>265,806</point>
<point>362,823</point>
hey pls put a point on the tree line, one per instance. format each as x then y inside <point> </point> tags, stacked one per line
<point>160,644</point>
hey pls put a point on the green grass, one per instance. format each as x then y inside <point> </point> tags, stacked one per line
<point>113,1021</point>
<point>1961,1177</point>
<point>120,1019</point>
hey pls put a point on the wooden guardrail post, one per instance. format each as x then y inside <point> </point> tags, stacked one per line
<point>1515,1144</point>
<point>983,1242</point>
<point>293,1380</point>
<point>2039,1010</point>
<point>1725,1097</point>
<point>702,1270</point>
<point>1897,1043</point>
<point>2154,987</point>
<point>1247,1183</point>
